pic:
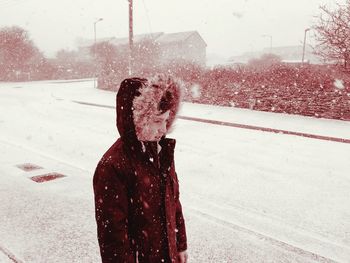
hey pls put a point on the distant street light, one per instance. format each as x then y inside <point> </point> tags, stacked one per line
<point>270,41</point>
<point>100,19</point>
<point>302,60</point>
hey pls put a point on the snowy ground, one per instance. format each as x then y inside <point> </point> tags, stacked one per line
<point>248,195</point>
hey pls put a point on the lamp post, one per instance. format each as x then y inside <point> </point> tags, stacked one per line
<point>100,19</point>
<point>302,60</point>
<point>270,41</point>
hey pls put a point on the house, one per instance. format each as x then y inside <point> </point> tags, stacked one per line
<point>182,46</point>
<point>186,46</point>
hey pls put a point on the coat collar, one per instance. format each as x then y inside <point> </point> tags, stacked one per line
<point>147,151</point>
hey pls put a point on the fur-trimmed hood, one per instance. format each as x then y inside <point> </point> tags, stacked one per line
<point>139,100</point>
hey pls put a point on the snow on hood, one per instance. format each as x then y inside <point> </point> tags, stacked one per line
<point>139,100</point>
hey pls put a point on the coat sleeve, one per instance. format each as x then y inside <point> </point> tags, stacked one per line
<point>111,211</point>
<point>181,239</point>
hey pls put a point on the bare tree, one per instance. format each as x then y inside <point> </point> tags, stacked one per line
<point>146,57</point>
<point>332,34</point>
<point>17,51</point>
<point>110,58</point>
<point>111,64</point>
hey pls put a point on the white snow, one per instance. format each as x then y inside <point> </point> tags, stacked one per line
<point>195,91</point>
<point>338,83</point>
<point>247,195</point>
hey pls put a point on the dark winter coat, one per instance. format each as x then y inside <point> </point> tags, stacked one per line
<point>138,211</point>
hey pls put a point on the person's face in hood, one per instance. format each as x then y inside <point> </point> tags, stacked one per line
<point>156,128</point>
<point>146,109</point>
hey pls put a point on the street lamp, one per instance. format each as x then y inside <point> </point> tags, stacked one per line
<point>302,60</point>
<point>100,19</point>
<point>270,41</point>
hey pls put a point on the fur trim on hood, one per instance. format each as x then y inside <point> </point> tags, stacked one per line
<point>157,95</point>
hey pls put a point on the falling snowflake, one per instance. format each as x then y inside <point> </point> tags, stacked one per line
<point>143,147</point>
<point>144,233</point>
<point>145,204</point>
<point>338,83</point>
<point>195,91</point>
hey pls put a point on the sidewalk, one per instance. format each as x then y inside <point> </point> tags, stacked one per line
<point>248,195</point>
<point>54,221</point>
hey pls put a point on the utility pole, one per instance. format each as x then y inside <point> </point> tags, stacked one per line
<point>131,38</point>
<point>302,60</point>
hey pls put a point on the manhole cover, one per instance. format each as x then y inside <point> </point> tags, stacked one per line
<point>46,177</point>
<point>27,167</point>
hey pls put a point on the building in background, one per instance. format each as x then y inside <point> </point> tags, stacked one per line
<point>182,46</point>
<point>288,54</point>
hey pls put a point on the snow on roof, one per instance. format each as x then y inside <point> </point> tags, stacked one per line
<point>137,38</point>
<point>160,37</point>
<point>82,42</point>
<point>175,37</point>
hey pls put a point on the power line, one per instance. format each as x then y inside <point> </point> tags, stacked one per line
<point>148,20</point>
<point>13,3</point>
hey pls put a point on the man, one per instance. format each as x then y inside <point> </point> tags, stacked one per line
<point>138,211</point>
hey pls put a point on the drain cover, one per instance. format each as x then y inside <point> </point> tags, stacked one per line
<point>27,167</point>
<point>46,177</point>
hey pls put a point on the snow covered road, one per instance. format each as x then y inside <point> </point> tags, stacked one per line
<point>248,195</point>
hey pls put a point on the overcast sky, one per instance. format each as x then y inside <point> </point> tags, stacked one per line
<point>229,27</point>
